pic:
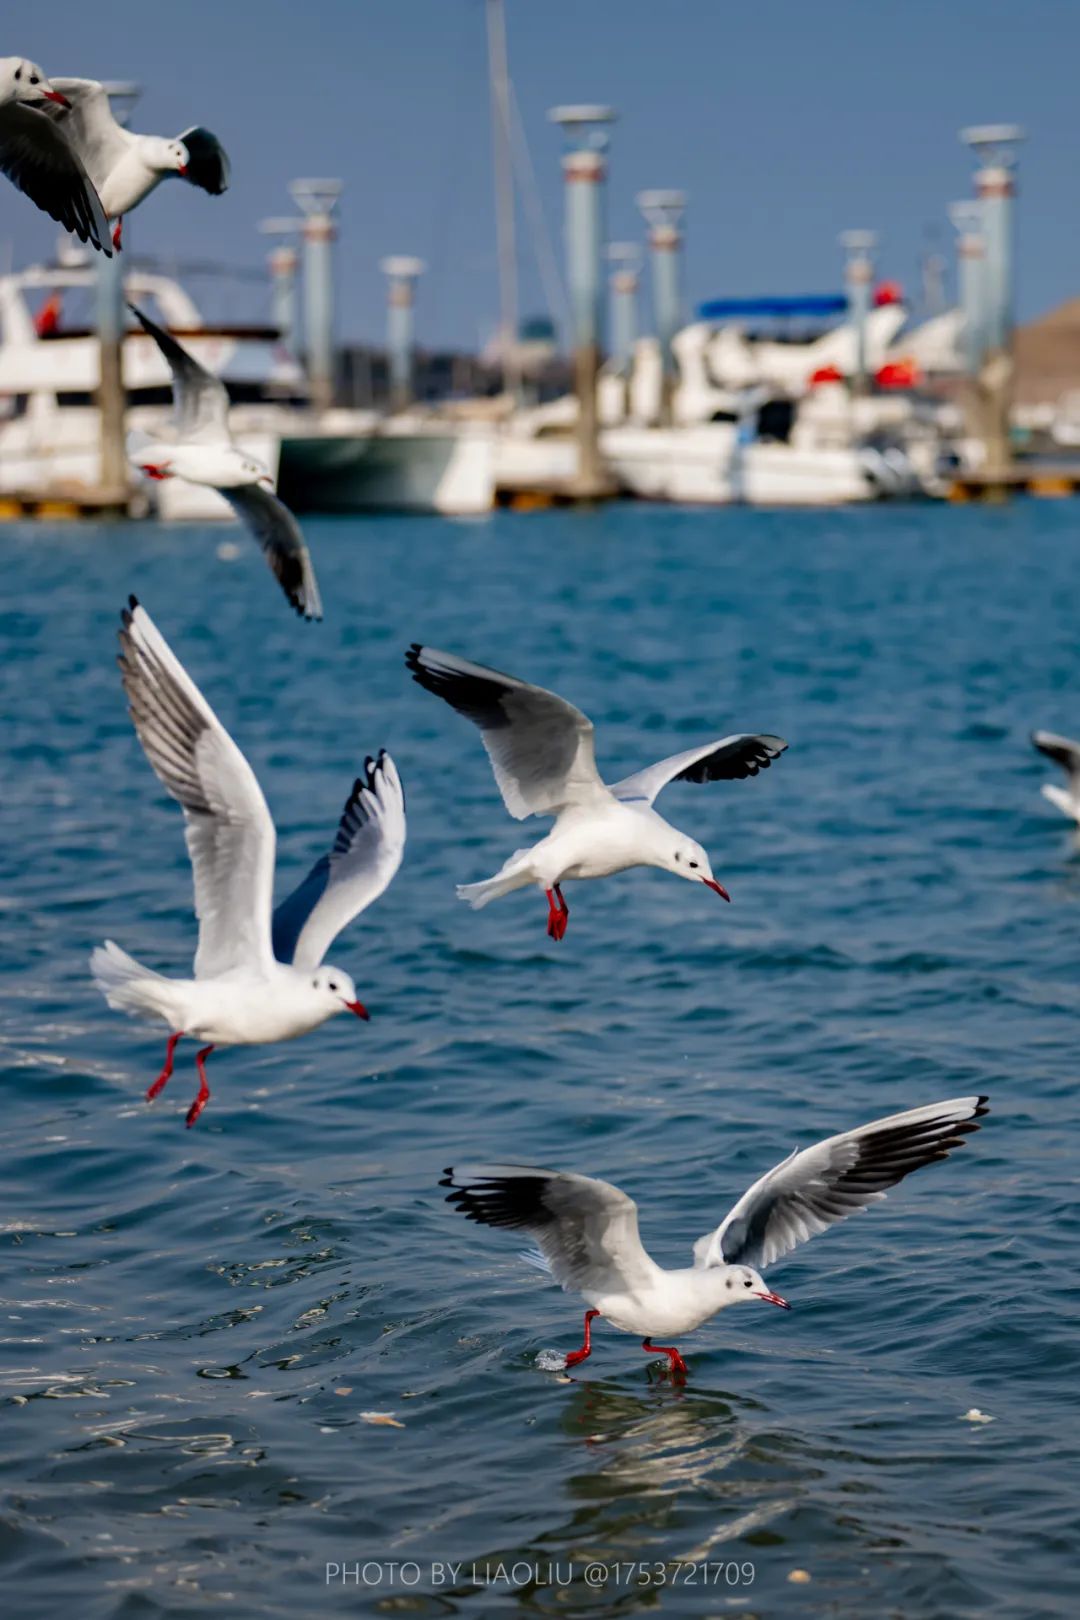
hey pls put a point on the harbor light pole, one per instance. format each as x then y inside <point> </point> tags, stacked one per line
<point>663,211</point>
<point>995,147</point>
<point>585,134</point>
<point>403,273</point>
<point>112,468</point>
<point>624,282</point>
<point>970,257</point>
<point>316,200</point>
<point>859,281</point>
<point>283,262</point>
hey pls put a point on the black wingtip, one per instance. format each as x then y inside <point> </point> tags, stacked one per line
<point>133,603</point>
<point>983,1108</point>
<point>412,657</point>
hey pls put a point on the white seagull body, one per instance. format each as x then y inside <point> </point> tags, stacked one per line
<point>37,156</point>
<point>542,752</point>
<point>258,975</point>
<point>587,1230</point>
<point>204,453</point>
<point>1066,754</point>
<point>126,167</point>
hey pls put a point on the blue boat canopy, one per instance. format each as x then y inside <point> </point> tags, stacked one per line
<point>808,304</point>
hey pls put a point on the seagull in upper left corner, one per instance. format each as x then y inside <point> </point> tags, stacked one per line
<point>38,157</point>
<point>126,167</point>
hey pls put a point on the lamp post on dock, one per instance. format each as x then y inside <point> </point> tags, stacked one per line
<point>584,171</point>
<point>624,282</point>
<point>859,281</point>
<point>112,467</point>
<point>403,273</point>
<point>316,200</point>
<point>995,147</point>
<point>663,211</point>
<point>283,262</point>
<point>970,256</point>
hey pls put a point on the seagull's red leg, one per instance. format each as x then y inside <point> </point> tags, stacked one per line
<point>117,233</point>
<point>167,1070</point>
<point>558,913</point>
<point>586,1350</point>
<point>204,1090</point>
<point>678,1365</point>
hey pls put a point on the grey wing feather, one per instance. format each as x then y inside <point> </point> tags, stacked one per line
<point>1062,750</point>
<point>282,542</point>
<point>731,759</point>
<point>90,126</point>
<point>201,399</point>
<point>810,1191</point>
<point>586,1230</point>
<point>39,159</point>
<point>230,835</point>
<point>366,853</point>
<point>540,747</point>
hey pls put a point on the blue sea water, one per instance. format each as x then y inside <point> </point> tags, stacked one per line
<point>193,1323</point>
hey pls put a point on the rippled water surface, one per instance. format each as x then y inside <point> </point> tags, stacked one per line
<point>192,1324</point>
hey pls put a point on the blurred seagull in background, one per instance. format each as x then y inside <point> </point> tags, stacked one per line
<point>38,157</point>
<point>541,750</point>
<point>587,1231</point>
<point>257,978</point>
<point>204,453</point>
<point>126,167</point>
<point>1067,755</point>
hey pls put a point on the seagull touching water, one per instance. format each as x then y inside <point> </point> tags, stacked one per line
<point>257,978</point>
<point>541,750</point>
<point>587,1230</point>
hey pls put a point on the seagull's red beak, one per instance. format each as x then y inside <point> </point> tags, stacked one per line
<point>358,1008</point>
<point>718,888</point>
<point>773,1299</point>
<point>157,473</point>
<point>182,169</point>
<point>54,95</point>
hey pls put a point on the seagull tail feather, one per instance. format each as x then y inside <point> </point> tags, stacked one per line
<point>126,985</point>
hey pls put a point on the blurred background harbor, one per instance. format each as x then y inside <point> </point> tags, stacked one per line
<point>604,379</point>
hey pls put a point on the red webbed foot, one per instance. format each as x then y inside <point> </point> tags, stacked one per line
<point>678,1366</point>
<point>204,1090</point>
<point>575,1356</point>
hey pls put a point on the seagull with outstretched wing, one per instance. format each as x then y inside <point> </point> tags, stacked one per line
<point>204,453</point>
<point>126,167</point>
<point>586,1231</point>
<point>542,752</point>
<point>38,157</point>
<point>259,975</point>
<point>1065,753</point>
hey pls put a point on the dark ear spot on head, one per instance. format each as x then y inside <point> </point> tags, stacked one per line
<point>18,74</point>
<point>678,857</point>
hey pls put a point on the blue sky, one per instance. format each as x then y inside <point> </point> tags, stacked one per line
<point>785,122</point>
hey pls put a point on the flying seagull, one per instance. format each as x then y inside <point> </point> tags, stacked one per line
<point>1067,755</point>
<point>541,750</point>
<point>37,156</point>
<point>257,978</point>
<point>204,453</point>
<point>587,1230</point>
<point>126,167</point>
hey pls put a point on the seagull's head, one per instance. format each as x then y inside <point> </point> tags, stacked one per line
<point>688,860</point>
<point>744,1283</point>
<point>21,80</point>
<point>337,992</point>
<point>166,157</point>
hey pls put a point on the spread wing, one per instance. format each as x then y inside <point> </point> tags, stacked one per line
<point>208,162</point>
<point>90,126</point>
<point>1061,750</point>
<point>230,836</point>
<point>365,855</point>
<point>732,759</point>
<point>586,1230</point>
<point>540,746</point>
<point>812,1190</point>
<point>200,399</point>
<point>282,542</point>
<point>37,156</point>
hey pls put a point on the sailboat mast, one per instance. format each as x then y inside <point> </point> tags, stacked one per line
<point>499,77</point>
